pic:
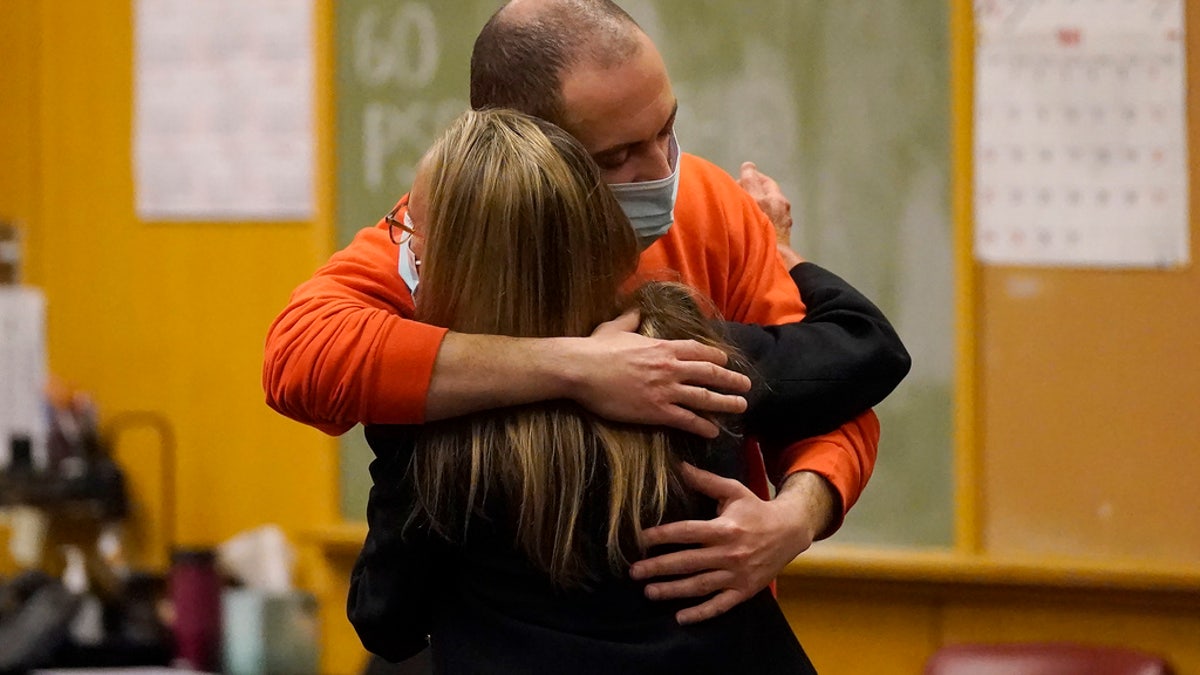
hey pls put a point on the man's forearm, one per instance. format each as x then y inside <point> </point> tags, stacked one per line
<point>844,458</point>
<point>482,372</point>
<point>811,501</point>
<point>615,373</point>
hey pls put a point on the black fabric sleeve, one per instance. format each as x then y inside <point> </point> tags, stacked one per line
<point>817,374</point>
<point>396,576</point>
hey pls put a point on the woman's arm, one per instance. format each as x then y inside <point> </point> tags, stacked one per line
<point>398,573</point>
<point>824,371</point>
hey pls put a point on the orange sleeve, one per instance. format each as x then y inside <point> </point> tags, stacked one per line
<point>344,350</point>
<point>845,457</point>
<point>762,292</point>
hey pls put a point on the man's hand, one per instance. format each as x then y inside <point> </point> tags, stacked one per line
<point>770,199</point>
<point>743,549</point>
<point>615,373</point>
<point>626,377</point>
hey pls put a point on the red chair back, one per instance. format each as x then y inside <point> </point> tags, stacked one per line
<point>1043,659</point>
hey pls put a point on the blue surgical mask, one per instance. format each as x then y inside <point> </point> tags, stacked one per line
<point>650,205</point>
<point>409,265</point>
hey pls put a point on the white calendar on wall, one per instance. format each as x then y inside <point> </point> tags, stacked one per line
<point>223,126</point>
<point>1080,154</point>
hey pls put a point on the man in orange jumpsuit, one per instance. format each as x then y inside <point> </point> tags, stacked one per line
<point>346,351</point>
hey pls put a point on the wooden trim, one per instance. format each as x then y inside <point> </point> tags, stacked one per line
<point>945,567</point>
<point>967,519</point>
<point>325,127</point>
<point>915,566</point>
<point>338,540</point>
<point>324,183</point>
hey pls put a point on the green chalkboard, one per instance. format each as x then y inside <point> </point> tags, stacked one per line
<point>845,102</point>
<point>401,77</point>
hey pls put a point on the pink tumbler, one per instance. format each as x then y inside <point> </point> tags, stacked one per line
<point>196,595</point>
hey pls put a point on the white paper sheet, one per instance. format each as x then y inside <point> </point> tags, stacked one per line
<point>223,119</point>
<point>1080,133</point>
<point>23,372</point>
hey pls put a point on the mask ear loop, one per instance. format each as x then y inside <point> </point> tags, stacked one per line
<point>409,267</point>
<point>412,232</point>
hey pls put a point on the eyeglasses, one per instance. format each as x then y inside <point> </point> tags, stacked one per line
<point>405,225</point>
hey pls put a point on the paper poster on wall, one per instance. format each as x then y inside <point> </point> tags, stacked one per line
<point>1081,155</point>
<point>223,112</point>
<point>24,427</point>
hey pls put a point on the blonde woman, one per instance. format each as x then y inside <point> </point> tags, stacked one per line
<point>505,538</point>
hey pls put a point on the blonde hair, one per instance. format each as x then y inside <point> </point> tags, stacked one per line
<point>526,240</point>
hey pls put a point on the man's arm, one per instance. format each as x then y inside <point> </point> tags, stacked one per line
<point>742,550</point>
<point>817,381</point>
<point>854,336</point>
<point>753,539</point>
<point>847,349</point>
<point>615,373</point>
<point>818,479</point>
<point>345,350</point>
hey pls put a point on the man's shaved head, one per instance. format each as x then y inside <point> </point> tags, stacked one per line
<point>524,49</point>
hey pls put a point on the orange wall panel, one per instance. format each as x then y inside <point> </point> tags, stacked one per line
<point>168,318</point>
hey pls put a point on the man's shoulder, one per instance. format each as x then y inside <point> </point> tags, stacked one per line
<point>703,183</point>
<point>706,191</point>
<point>694,168</point>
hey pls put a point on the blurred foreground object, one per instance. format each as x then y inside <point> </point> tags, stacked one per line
<point>268,626</point>
<point>1044,658</point>
<point>23,422</point>
<point>10,254</point>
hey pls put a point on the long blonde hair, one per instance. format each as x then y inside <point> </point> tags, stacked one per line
<point>526,240</point>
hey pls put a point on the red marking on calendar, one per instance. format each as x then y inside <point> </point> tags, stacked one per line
<point>1070,37</point>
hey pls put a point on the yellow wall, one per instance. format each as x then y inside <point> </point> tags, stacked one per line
<point>1090,385</point>
<point>18,115</point>
<point>171,318</point>
<point>156,317</point>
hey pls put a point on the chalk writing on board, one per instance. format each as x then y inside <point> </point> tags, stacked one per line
<point>406,53</point>
<point>396,58</point>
